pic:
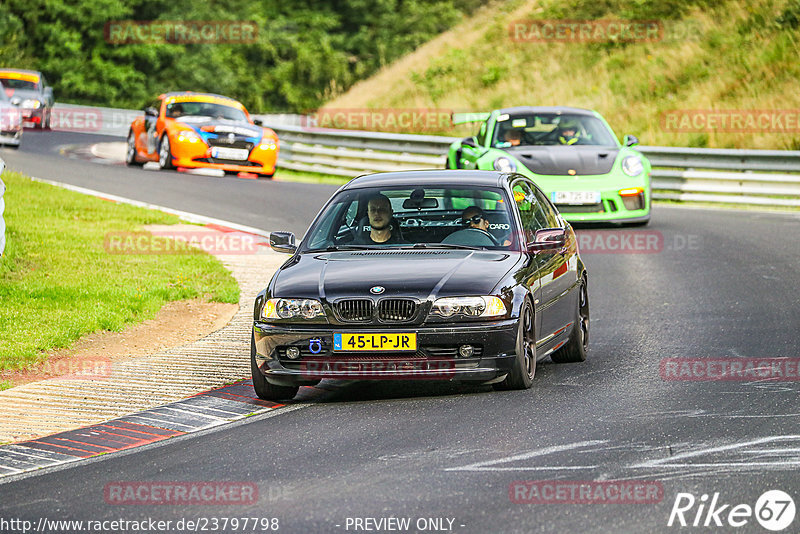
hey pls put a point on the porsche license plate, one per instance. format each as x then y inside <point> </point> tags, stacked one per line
<point>221,152</point>
<point>375,342</point>
<point>575,197</point>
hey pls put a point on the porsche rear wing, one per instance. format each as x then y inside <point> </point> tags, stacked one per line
<point>464,118</point>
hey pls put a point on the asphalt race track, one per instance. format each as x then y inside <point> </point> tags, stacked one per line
<point>712,284</point>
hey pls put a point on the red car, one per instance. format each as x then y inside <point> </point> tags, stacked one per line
<point>201,130</point>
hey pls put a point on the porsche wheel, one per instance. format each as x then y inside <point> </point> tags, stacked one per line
<point>262,387</point>
<point>524,368</point>
<point>130,152</point>
<point>575,349</point>
<point>165,153</point>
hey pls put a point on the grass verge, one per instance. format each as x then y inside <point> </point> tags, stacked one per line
<point>57,283</point>
<point>286,175</point>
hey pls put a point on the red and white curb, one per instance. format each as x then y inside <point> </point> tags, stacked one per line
<point>200,412</point>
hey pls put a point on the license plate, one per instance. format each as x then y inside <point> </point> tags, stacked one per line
<point>221,152</point>
<point>575,197</point>
<point>374,342</point>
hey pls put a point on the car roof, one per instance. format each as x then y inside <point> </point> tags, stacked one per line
<point>546,109</point>
<point>429,178</point>
<point>193,93</point>
<point>22,71</point>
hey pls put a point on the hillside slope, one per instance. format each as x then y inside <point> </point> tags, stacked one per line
<point>729,56</point>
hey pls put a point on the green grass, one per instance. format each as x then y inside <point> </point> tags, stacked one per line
<point>286,175</point>
<point>57,283</point>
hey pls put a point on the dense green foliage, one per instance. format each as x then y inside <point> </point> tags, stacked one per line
<point>304,53</point>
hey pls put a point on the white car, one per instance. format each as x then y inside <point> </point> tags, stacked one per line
<point>10,122</point>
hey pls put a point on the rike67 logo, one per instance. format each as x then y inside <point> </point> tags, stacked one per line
<point>774,510</point>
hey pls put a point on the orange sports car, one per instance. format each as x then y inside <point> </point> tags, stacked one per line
<point>194,130</point>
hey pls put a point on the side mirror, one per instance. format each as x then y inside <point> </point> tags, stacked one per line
<point>48,93</point>
<point>548,239</point>
<point>258,122</point>
<point>470,141</point>
<point>630,140</point>
<point>282,242</point>
<point>151,112</point>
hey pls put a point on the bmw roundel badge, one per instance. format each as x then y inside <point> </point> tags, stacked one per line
<point>377,290</point>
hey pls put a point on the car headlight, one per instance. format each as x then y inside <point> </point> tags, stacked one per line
<point>189,136</point>
<point>468,306</point>
<point>292,309</point>
<point>504,164</point>
<point>35,104</point>
<point>632,165</point>
<point>268,145</point>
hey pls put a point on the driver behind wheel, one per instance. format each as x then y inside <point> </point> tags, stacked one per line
<point>474,217</point>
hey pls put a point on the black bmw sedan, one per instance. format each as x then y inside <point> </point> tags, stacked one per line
<point>439,275</point>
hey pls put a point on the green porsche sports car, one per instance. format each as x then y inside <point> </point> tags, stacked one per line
<point>570,153</point>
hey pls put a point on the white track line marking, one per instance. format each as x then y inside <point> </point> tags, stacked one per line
<point>489,464</point>
<point>185,215</point>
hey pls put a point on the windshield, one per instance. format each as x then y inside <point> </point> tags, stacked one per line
<point>11,83</point>
<point>430,217</point>
<point>204,109</point>
<point>550,129</point>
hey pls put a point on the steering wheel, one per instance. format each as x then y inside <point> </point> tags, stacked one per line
<point>471,237</point>
<point>484,233</point>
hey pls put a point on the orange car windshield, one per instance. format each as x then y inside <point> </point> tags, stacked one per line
<point>204,109</point>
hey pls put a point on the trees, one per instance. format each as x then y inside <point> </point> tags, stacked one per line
<point>303,53</point>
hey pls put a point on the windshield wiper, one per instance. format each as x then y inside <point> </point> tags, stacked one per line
<point>444,245</point>
<point>337,248</point>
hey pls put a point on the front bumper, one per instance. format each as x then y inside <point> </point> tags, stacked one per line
<point>436,357</point>
<point>198,155</point>
<point>11,137</point>
<point>612,207</point>
<point>33,117</point>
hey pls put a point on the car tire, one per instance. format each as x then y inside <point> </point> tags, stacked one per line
<point>130,152</point>
<point>524,368</point>
<point>46,123</point>
<point>262,387</point>
<point>575,349</point>
<point>165,153</point>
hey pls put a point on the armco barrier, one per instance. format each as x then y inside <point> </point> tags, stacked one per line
<point>758,177</point>
<point>687,174</point>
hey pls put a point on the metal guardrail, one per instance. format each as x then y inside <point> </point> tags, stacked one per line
<point>760,177</point>
<point>686,174</point>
